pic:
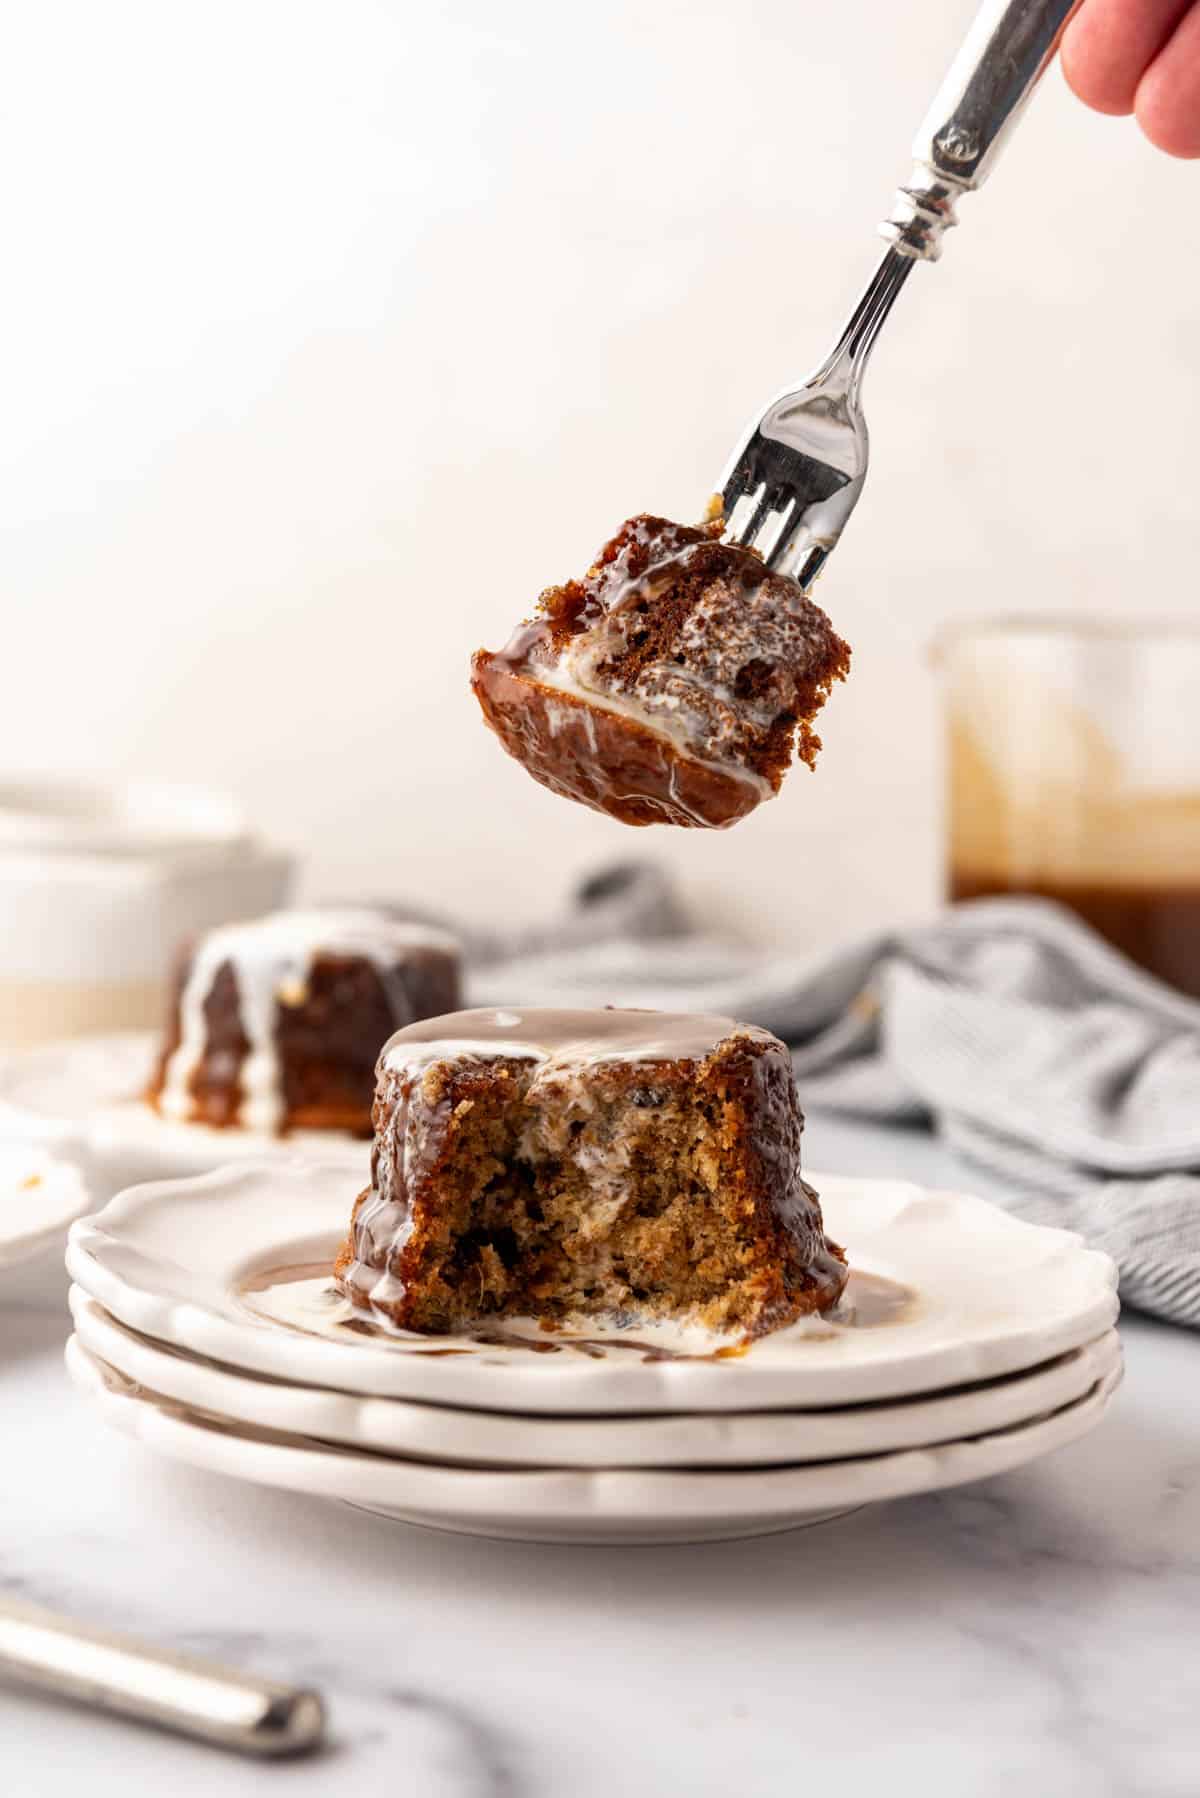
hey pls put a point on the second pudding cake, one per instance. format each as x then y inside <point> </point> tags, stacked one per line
<point>632,1165</point>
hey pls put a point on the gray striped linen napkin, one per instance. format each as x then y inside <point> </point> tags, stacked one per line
<point>1037,1052</point>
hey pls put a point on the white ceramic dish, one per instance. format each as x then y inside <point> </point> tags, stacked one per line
<point>83,1097</point>
<point>496,1439</point>
<point>184,1262</point>
<point>99,882</point>
<point>572,1505</point>
<point>39,1198</point>
<point>74,815</point>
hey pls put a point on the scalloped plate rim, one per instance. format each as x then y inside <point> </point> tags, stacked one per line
<point>878,1365</point>
<point>722,1439</point>
<point>611,1503</point>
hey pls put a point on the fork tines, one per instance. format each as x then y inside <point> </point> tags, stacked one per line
<point>768,492</point>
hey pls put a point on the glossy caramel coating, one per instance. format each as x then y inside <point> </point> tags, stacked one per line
<point>611,763</point>
<point>674,684</point>
<point>557,1164</point>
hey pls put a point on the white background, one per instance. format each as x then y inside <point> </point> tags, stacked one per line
<point>332,332</point>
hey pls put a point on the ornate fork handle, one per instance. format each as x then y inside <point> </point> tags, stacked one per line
<point>986,89</point>
<point>795,478</point>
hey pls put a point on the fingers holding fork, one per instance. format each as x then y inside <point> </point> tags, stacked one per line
<point>1140,57</point>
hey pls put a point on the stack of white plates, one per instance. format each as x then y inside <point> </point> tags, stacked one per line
<point>206,1325</point>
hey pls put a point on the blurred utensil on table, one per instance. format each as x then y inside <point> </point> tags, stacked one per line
<point>178,1692</point>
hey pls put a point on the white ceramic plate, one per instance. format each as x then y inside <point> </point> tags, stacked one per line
<point>84,1098</point>
<point>496,1439</point>
<point>987,1296</point>
<point>39,1198</point>
<point>573,1506</point>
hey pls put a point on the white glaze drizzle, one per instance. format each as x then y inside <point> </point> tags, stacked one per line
<point>564,1044</point>
<point>649,714</point>
<point>692,700</point>
<point>562,1039</point>
<point>271,959</point>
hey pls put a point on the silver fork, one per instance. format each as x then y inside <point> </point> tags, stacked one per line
<point>796,476</point>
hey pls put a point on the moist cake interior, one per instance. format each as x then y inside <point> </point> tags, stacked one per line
<point>673,684</point>
<point>605,1177</point>
<point>620,1210</point>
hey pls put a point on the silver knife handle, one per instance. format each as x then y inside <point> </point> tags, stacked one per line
<point>985,92</point>
<point>193,1697</point>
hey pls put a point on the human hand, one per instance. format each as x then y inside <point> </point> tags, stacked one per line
<point>1140,56</point>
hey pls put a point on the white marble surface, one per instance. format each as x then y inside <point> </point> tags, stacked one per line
<point>1031,1634</point>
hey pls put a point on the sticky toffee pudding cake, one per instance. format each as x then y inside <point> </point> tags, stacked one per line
<point>673,684</point>
<point>277,1024</point>
<point>630,1165</point>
